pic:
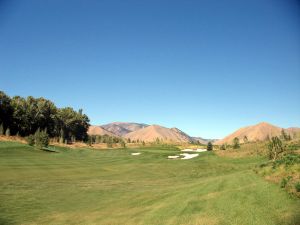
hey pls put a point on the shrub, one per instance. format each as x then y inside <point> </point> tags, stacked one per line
<point>223,147</point>
<point>123,144</point>
<point>276,148</point>
<point>287,160</point>
<point>236,143</point>
<point>30,140</point>
<point>297,186</point>
<point>283,183</point>
<point>209,146</point>
<point>41,139</point>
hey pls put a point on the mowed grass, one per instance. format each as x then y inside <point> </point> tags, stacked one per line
<point>79,186</point>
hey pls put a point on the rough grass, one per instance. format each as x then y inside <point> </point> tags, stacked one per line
<point>245,150</point>
<point>79,186</point>
<point>285,172</point>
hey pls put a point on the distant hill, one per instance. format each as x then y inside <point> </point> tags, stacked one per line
<point>98,130</point>
<point>203,140</point>
<point>151,133</point>
<point>123,128</point>
<point>293,131</point>
<point>258,132</point>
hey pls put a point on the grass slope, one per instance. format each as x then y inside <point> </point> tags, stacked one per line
<point>80,186</point>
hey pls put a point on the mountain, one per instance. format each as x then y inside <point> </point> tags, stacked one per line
<point>203,140</point>
<point>151,133</point>
<point>122,128</point>
<point>258,132</point>
<point>98,130</point>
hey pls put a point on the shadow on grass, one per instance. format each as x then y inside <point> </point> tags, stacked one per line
<point>49,150</point>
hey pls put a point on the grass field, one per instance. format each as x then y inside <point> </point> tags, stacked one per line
<point>78,186</point>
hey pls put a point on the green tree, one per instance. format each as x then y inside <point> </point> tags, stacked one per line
<point>98,139</point>
<point>26,115</point>
<point>62,136</point>
<point>276,148</point>
<point>6,111</point>
<point>72,123</point>
<point>90,140</point>
<point>109,143</point>
<point>209,146</point>
<point>123,144</point>
<point>285,136</point>
<point>30,140</point>
<point>236,143</point>
<point>41,139</point>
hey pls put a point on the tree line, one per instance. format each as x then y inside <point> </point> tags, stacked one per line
<point>25,116</point>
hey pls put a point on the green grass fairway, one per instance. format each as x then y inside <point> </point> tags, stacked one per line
<point>113,187</point>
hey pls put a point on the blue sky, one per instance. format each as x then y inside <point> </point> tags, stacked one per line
<point>206,67</point>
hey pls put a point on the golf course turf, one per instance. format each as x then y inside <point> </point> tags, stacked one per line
<point>83,186</point>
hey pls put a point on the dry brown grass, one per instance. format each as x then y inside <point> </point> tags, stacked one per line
<point>246,150</point>
<point>12,138</point>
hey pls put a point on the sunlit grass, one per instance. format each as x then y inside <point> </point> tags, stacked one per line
<point>79,186</point>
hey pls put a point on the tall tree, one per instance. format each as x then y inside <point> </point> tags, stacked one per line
<point>275,147</point>
<point>72,123</point>
<point>236,143</point>
<point>6,110</point>
<point>209,146</point>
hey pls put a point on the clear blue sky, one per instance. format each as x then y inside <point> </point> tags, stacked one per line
<point>206,67</point>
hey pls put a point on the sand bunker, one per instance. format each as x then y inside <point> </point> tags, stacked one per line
<point>135,153</point>
<point>185,156</point>
<point>188,156</point>
<point>194,150</point>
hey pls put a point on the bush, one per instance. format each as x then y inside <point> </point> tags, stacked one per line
<point>283,183</point>
<point>209,146</point>
<point>123,144</point>
<point>223,147</point>
<point>41,139</point>
<point>30,140</point>
<point>236,143</point>
<point>287,160</point>
<point>276,148</point>
<point>297,186</point>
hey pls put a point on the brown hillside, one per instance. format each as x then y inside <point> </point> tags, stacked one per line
<point>258,132</point>
<point>123,128</point>
<point>97,130</point>
<point>151,133</point>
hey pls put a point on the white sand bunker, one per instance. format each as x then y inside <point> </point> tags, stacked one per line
<point>188,156</point>
<point>135,153</point>
<point>185,156</point>
<point>194,150</point>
